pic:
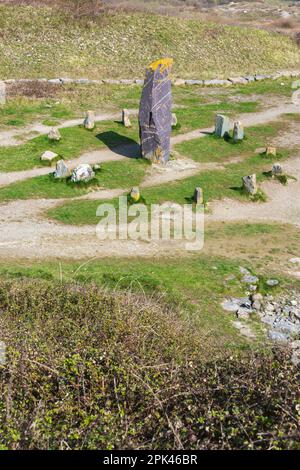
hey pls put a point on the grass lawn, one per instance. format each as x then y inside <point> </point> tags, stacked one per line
<point>119,174</point>
<point>75,141</point>
<point>213,149</point>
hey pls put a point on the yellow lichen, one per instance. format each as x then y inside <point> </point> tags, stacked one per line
<point>165,63</point>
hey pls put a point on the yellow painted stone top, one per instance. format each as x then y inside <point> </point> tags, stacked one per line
<point>165,63</point>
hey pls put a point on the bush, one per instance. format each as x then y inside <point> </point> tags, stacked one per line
<point>89,369</point>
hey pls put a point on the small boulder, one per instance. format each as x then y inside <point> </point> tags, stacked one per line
<point>89,121</point>
<point>271,151</point>
<point>174,120</point>
<point>61,170</point>
<point>125,118</point>
<point>54,135</point>
<point>48,156</point>
<point>2,92</point>
<point>249,184</point>
<point>238,131</point>
<point>277,169</point>
<point>179,82</point>
<point>83,172</point>
<point>198,195</point>
<point>222,125</point>
<point>135,194</point>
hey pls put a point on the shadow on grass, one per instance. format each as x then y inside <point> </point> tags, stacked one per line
<point>120,144</point>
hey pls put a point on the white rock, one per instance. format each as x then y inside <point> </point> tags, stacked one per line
<point>54,134</point>
<point>49,156</point>
<point>89,121</point>
<point>83,172</point>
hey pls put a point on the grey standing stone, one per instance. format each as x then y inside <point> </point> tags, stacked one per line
<point>61,170</point>
<point>238,131</point>
<point>155,113</point>
<point>198,196</point>
<point>125,118</point>
<point>249,184</point>
<point>89,121</point>
<point>222,127</point>
<point>2,92</point>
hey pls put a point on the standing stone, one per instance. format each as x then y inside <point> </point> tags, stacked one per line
<point>2,353</point>
<point>222,125</point>
<point>276,169</point>
<point>249,184</point>
<point>271,151</point>
<point>238,131</point>
<point>198,196</point>
<point>83,172</point>
<point>135,194</point>
<point>61,170</point>
<point>2,92</point>
<point>155,113</point>
<point>54,135</point>
<point>89,121</point>
<point>125,118</point>
<point>174,120</point>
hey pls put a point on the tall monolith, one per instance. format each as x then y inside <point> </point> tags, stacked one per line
<point>155,114</point>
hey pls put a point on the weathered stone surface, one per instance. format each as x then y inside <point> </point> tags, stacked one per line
<point>135,194</point>
<point>54,135</point>
<point>216,82</point>
<point>174,120</point>
<point>139,81</point>
<point>83,172</point>
<point>277,169</point>
<point>89,121</point>
<point>238,131</point>
<point>194,82</point>
<point>238,80</point>
<point>2,353</point>
<point>272,282</point>
<point>198,195</point>
<point>125,118</point>
<point>222,125</point>
<point>2,92</point>
<point>61,170</point>
<point>48,156</point>
<point>249,184</point>
<point>250,78</point>
<point>271,151</point>
<point>155,113</point>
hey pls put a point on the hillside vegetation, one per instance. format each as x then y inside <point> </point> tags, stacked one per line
<point>40,41</point>
<point>90,369</point>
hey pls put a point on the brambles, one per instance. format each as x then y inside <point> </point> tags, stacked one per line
<point>89,369</point>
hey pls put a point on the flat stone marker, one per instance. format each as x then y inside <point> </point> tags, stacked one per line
<point>48,156</point>
<point>249,184</point>
<point>222,125</point>
<point>238,131</point>
<point>155,113</point>
<point>125,118</point>
<point>89,121</point>
<point>2,92</point>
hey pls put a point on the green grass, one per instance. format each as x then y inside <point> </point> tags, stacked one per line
<point>41,42</point>
<point>119,174</point>
<point>211,148</point>
<point>74,142</point>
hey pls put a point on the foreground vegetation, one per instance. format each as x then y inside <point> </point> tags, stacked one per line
<point>88,369</point>
<point>46,42</point>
